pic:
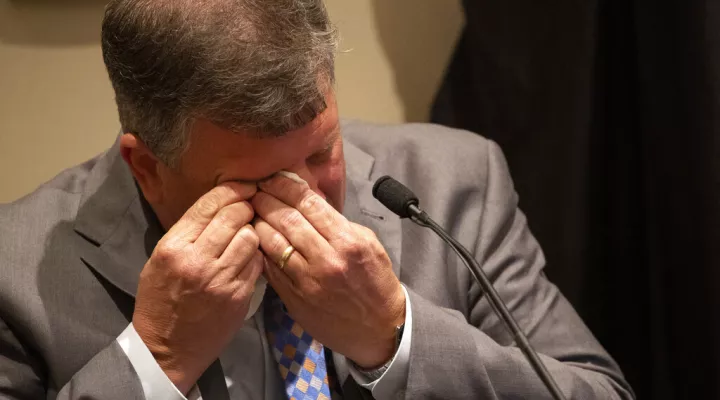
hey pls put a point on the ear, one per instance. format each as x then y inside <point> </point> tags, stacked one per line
<point>144,165</point>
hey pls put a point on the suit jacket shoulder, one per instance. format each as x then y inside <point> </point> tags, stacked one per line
<point>50,300</point>
<point>419,144</point>
<point>26,224</point>
<point>436,162</point>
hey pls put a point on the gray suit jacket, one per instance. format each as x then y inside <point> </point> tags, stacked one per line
<point>71,253</point>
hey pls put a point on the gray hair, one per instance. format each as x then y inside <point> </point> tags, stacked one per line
<point>260,66</point>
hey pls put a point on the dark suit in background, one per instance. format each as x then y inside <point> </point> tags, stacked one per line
<point>609,113</point>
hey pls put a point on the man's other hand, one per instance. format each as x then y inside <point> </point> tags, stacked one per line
<point>196,287</point>
<point>339,284</point>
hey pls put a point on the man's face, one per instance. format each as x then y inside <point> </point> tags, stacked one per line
<point>215,155</point>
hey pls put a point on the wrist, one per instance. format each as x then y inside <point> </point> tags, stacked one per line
<point>376,373</point>
<point>382,350</point>
<point>179,376</point>
<point>178,372</point>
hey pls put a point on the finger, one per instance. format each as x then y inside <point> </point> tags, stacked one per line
<point>282,284</point>
<point>274,244</point>
<point>247,278</point>
<point>223,228</point>
<point>291,224</point>
<point>240,251</point>
<point>318,212</point>
<point>199,215</point>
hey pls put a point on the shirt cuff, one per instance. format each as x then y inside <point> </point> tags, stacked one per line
<point>395,377</point>
<point>156,385</point>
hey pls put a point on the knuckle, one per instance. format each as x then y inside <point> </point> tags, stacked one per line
<point>367,232</point>
<point>192,266</point>
<point>249,236</point>
<point>311,201</point>
<point>235,215</point>
<point>290,218</point>
<point>337,274</point>
<point>277,242</point>
<point>316,207</point>
<point>207,205</point>
<point>180,263</point>
<point>336,269</point>
<point>165,254</point>
<point>352,246</point>
<point>225,218</point>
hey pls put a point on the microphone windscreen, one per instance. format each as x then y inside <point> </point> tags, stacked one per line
<point>394,195</point>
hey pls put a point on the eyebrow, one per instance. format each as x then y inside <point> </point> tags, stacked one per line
<point>334,137</point>
<point>331,140</point>
<point>328,146</point>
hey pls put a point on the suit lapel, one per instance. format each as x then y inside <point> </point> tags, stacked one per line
<point>363,209</point>
<point>121,232</point>
<point>111,217</point>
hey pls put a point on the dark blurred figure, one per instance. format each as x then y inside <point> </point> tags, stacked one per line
<point>609,114</point>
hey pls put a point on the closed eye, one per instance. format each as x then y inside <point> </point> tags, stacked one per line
<point>326,153</point>
<point>320,158</point>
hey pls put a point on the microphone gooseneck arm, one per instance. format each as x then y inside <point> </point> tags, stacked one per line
<point>400,200</point>
<point>421,218</point>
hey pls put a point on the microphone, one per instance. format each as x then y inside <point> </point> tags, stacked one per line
<point>403,202</point>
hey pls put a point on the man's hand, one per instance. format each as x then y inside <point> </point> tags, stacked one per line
<point>196,288</point>
<point>339,283</point>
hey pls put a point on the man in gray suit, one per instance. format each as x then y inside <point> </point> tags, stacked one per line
<point>141,273</point>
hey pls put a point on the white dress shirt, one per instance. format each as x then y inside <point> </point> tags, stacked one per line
<point>157,386</point>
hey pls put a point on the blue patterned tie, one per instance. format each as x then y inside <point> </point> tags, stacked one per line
<point>300,358</point>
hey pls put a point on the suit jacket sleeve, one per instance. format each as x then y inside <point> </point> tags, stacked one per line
<point>455,356</point>
<point>108,375</point>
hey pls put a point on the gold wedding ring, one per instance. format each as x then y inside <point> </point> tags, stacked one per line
<point>285,257</point>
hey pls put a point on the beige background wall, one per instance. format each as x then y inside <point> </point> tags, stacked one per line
<point>56,104</point>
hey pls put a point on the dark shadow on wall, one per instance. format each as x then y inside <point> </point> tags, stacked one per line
<point>418,37</point>
<point>51,23</point>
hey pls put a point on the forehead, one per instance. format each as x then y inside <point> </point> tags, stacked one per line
<point>253,155</point>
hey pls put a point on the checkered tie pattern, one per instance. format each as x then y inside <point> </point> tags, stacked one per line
<point>300,358</point>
